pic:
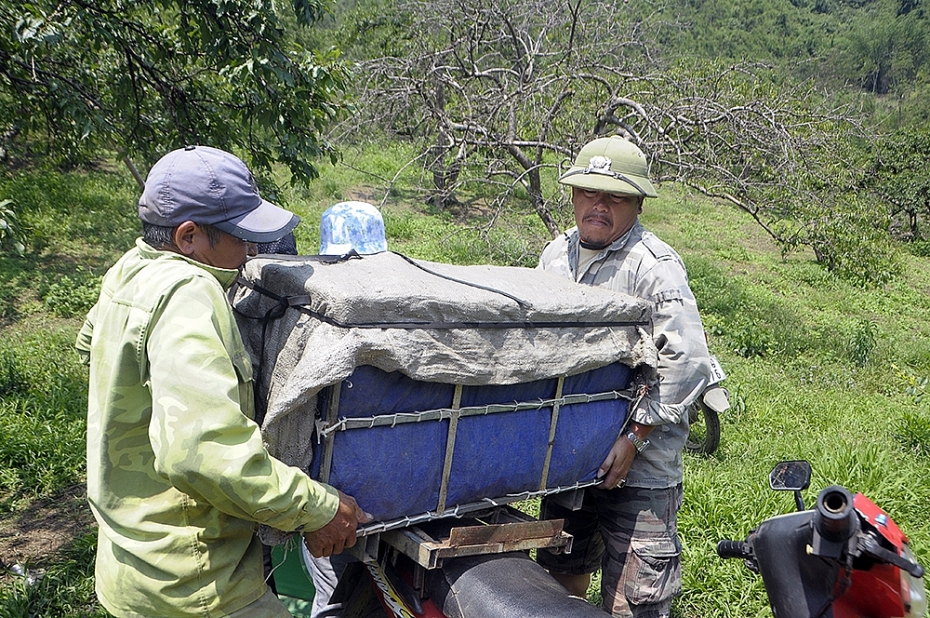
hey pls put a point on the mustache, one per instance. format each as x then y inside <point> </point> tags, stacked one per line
<point>598,217</point>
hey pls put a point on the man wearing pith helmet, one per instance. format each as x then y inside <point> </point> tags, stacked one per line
<point>627,525</point>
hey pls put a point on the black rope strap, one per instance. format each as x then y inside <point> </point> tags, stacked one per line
<point>523,304</point>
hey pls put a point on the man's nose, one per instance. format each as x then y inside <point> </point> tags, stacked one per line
<point>251,249</point>
<point>601,201</point>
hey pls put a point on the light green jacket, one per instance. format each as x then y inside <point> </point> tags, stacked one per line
<point>177,475</point>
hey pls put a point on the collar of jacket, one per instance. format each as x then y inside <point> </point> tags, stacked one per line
<point>574,243</point>
<point>225,276</point>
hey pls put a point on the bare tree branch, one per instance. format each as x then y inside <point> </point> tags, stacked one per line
<point>500,87</point>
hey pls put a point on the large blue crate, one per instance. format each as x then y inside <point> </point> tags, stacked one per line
<point>410,450</point>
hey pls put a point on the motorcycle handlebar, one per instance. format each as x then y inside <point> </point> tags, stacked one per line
<point>835,518</point>
<point>873,548</point>
<point>732,549</point>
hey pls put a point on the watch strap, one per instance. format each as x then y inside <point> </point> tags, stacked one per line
<point>638,442</point>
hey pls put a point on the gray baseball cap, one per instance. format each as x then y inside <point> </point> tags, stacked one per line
<point>211,187</point>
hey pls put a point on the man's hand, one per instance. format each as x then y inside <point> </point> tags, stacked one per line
<point>339,533</point>
<point>617,464</point>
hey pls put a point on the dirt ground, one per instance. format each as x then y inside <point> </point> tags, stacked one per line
<point>36,535</point>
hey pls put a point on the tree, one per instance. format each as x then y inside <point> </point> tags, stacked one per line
<point>484,88</point>
<point>11,235</point>
<point>144,77</point>
<point>898,175</point>
<point>886,46</point>
<point>502,93</point>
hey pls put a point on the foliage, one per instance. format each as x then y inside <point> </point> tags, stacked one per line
<point>41,416</point>
<point>70,295</point>
<point>12,380</point>
<point>364,30</point>
<point>914,432</point>
<point>916,387</point>
<point>898,176</point>
<point>11,235</point>
<point>496,95</point>
<point>92,213</point>
<point>145,77</point>
<point>878,46</point>
<point>853,241</point>
<point>885,46</point>
<point>784,154</point>
<point>863,342</point>
<point>914,427</point>
<point>475,91</point>
<point>747,320</point>
<point>763,30</point>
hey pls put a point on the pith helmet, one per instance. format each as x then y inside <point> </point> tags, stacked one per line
<point>352,225</point>
<point>611,164</point>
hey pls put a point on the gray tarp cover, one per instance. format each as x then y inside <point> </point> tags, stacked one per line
<point>574,329</point>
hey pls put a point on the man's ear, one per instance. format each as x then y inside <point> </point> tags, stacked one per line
<point>187,236</point>
<point>640,209</point>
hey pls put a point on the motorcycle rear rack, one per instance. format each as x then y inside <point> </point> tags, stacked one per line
<point>499,530</point>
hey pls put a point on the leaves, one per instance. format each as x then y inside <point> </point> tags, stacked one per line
<point>146,77</point>
<point>12,238</point>
<point>897,175</point>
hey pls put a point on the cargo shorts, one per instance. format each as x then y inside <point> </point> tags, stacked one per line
<point>630,533</point>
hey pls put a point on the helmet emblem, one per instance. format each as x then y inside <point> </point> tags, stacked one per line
<point>599,164</point>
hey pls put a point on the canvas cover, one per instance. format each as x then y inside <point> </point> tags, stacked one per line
<point>309,322</point>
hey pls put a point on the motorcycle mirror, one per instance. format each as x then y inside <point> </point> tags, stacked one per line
<point>790,476</point>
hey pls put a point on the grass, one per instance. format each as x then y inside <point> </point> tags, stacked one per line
<point>819,369</point>
<point>42,415</point>
<point>65,588</point>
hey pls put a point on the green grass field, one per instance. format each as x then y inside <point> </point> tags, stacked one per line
<point>818,369</point>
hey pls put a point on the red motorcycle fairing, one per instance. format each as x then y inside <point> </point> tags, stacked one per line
<point>879,519</point>
<point>876,593</point>
<point>881,590</point>
<point>845,558</point>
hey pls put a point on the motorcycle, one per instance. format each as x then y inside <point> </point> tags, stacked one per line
<point>704,413</point>
<point>473,570</point>
<point>845,558</point>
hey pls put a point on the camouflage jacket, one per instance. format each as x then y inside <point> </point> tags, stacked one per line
<point>641,265</point>
<point>177,475</point>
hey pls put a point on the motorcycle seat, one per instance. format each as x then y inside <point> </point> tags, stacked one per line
<point>508,585</point>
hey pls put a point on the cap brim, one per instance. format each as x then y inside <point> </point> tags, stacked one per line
<point>267,223</point>
<point>335,249</point>
<point>637,185</point>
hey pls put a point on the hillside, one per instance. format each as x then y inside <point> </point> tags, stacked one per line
<point>819,369</point>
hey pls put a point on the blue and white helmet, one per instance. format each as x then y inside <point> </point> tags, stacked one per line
<point>352,225</point>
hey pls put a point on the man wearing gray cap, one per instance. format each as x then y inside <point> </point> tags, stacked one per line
<point>177,475</point>
<point>627,525</point>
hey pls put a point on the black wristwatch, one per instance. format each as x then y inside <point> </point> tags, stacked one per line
<point>640,444</point>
